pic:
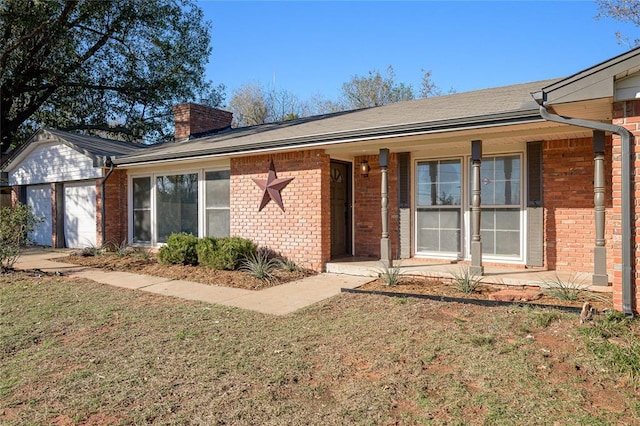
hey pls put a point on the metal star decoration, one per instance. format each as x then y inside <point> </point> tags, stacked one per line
<point>271,187</point>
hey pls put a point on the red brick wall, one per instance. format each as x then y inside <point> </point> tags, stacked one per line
<point>302,232</point>
<point>626,114</point>
<point>193,119</point>
<point>568,172</point>
<point>116,200</point>
<point>367,205</point>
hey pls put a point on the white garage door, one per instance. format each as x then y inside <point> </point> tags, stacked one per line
<point>80,215</point>
<point>39,199</point>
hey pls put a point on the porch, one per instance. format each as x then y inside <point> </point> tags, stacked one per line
<point>505,275</point>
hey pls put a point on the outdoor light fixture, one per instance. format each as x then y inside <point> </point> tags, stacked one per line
<point>364,168</point>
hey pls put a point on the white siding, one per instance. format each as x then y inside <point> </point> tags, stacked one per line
<point>80,215</point>
<point>39,199</point>
<point>52,162</point>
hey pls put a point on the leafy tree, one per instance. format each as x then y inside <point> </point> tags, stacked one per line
<point>622,11</point>
<point>115,66</point>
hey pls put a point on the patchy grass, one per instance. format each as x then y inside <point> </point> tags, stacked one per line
<point>76,352</point>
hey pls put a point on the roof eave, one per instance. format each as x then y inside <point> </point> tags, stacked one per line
<point>36,138</point>
<point>501,119</point>
<point>594,82</point>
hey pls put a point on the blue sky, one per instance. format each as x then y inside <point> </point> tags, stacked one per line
<point>312,48</point>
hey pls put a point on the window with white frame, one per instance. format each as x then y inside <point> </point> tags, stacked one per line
<point>142,210</point>
<point>176,205</point>
<point>170,203</point>
<point>217,213</point>
<point>500,183</point>
<point>439,206</point>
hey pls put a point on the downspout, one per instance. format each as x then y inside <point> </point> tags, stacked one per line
<point>625,135</point>
<point>108,162</point>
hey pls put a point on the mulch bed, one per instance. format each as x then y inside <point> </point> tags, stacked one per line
<point>151,266</point>
<point>444,289</point>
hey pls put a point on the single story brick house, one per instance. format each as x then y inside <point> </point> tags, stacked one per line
<point>540,174</point>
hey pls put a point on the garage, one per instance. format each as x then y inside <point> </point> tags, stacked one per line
<point>60,174</point>
<point>80,215</point>
<point>39,199</point>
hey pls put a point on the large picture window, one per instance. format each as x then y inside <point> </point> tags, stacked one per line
<point>176,205</point>
<point>196,203</point>
<point>438,210</point>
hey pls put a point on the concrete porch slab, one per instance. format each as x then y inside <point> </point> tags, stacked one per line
<point>513,276</point>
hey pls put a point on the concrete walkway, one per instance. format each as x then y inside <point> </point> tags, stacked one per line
<point>279,300</point>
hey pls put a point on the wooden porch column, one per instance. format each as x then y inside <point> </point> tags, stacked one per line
<point>476,242</point>
<point>600,277</point>
<point>385,244</point>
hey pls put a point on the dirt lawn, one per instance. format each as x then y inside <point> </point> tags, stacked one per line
<point>77,352</point>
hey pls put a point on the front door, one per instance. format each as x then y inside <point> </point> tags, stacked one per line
<point>340,209</point>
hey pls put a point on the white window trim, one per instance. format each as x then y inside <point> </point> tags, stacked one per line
<point>437,254</point>
<point>520,260</point>
<point>130,213</point>
<point>202,194</point>
<point>466,211</point>
<point>154,214</point>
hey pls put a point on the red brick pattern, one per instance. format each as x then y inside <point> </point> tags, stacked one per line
<point>192,119</point>
<point>626,114</point>
<point>568,172</point>
<point>367,205</point>
<point>302,232</point>
<point>116,201</point>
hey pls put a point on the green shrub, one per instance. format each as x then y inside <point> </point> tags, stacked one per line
<point>224,253</point>
<point>15,225</point>
<point>207,250</point>
<point>179,250</point>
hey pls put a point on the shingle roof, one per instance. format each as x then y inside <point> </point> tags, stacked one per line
<point>495,106</point>
<point>94,147</point>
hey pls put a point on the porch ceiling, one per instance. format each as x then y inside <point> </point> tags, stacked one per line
<point>504,135</point>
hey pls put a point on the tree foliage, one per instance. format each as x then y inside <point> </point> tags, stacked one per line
<point>252,104</point>
<point>15,225</point>
<point>622,11</point>
<point>249,105</point>
<point>374,90</point>
<point>377,89</point>
<point>115,66</point>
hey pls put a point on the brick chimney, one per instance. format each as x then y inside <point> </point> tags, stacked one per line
<point>192,119</point>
